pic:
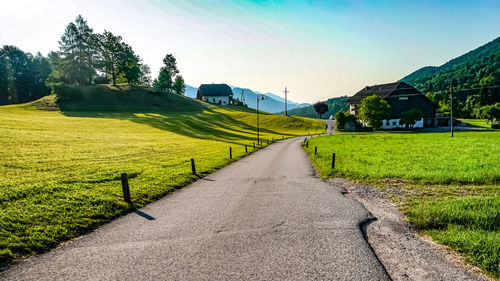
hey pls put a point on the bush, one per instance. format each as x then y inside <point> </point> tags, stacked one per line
<point>495,126</point>
<point>339,120</point>
<point>66,92</point>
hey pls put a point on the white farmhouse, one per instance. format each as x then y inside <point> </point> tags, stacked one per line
<point>215,93</point>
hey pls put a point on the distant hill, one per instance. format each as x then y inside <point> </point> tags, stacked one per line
<point>334,105</point>
<point>272,103</point>
<point>475,69</point>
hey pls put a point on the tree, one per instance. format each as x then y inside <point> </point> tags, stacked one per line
<point>145,78</point>
<point>164,81</point>
<point>4,79</point>
<point>179,86</point>
<point>111,51</point>
<point>411,117</point>
<point>78,47</point>
<point>167,73</point>
<point>339,120</point>
<point>373,110</point>
<point>320,107</point>
<point>490,112</point>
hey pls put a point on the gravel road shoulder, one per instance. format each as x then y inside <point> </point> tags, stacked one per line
<point>405,254</point>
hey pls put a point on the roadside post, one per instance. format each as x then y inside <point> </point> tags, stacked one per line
<point>230,153</point>
<point>125,188</point>
<point>246,149</point>
<point>315,150</point>
<point>193,167</point>
<point>333,160</point>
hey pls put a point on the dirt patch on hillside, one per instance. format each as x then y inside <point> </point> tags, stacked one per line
<point>405,254</point>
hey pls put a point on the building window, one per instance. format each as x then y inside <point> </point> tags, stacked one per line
<point>403,98</point>
<point>393,123</point>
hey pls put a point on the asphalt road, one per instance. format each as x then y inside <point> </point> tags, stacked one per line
<point>265,217</point>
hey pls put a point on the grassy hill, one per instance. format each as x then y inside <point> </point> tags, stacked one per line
<point>61,163</point>
<point>334,105</point>
<point>475,69</point>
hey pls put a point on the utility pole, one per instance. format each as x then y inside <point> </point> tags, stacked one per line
<point>451,108</point>
<point>243,96</point>
<point>286,92</point>
<point>259,97</point>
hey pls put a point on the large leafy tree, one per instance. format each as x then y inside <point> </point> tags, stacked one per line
<point>320,107</point>
<point>373,110</point>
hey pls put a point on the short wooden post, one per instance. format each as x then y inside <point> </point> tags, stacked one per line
<point>333,160</point>
<point>305,140</point>
<point>254,146</point>
<point>267,141</point>
<point>230,153</point>
<point>193,168</point>
<point>315,150</point>
<point>307,143</point>
<point>246,148</point>
<point>125,188</point>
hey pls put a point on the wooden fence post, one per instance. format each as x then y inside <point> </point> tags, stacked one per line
<point>193,168</point>
<point>315,150</point>
<point>267,141</point>
<point>230,153</point>
<point>333,160</point>
<point>307,143</point>
<point>254,146</point>
<point>125,188</point>
<point>246,148</point>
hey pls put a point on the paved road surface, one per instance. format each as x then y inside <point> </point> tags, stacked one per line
<point>265,217</point>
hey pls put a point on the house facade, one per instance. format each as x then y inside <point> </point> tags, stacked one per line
<point>402,97</point>
<point>215,93</point>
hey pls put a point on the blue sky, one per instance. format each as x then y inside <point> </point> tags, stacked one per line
<point>319,49</point>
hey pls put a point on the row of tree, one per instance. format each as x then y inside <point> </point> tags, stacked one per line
<point>22,76</point>
<point>84,58</point>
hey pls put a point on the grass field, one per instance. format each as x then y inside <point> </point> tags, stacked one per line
<point>61,169</point>
<point>478,123</point>
<point>449,188</point>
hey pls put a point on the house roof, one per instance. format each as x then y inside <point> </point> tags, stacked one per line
<point>210,90</point>
<point>384,91</point>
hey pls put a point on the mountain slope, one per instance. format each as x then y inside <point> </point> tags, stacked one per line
<point>475,69</point>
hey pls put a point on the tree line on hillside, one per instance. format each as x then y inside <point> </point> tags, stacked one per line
<point>84,58</point>
<point>475,78</point>
<point>334,105</point>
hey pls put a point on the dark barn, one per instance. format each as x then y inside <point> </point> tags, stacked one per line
<point>402,97</point>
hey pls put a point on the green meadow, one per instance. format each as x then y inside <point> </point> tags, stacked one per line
<point>61,167</point>
<point>449,188</point>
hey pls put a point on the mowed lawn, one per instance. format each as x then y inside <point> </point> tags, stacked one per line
<point>449,187</point>
<point>61,170</point>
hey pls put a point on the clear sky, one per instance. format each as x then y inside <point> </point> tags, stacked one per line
<point>319,49</point>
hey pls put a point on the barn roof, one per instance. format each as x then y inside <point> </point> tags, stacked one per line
<point>384,91</point>
<point>208,90</point>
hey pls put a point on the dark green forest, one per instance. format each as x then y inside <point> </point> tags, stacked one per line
<point>474,77</point>
<point>334,105</point>
<point>84,58</point>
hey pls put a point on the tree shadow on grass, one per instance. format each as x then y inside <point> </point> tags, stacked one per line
<point>204,123</point>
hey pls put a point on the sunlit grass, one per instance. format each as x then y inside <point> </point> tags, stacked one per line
<point>450,190</point>
<point>61,170</point>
